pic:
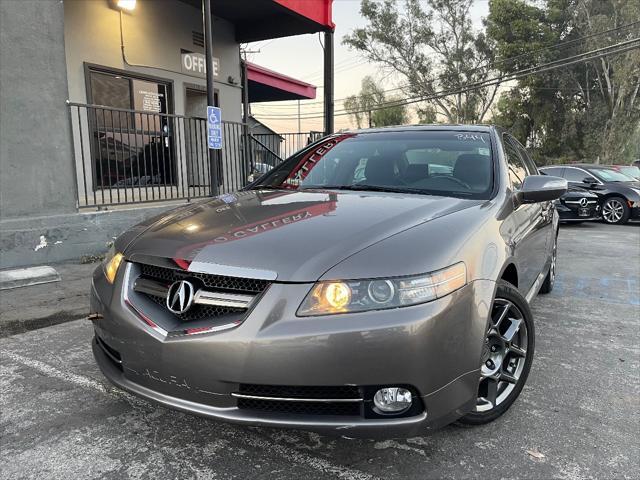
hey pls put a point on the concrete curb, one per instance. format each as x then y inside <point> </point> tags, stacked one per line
<point>23,277</point>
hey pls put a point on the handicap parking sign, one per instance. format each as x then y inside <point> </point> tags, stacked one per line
<point>214,127</point>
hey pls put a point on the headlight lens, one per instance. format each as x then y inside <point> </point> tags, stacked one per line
<point>111,264</point>
<point>332,297</point>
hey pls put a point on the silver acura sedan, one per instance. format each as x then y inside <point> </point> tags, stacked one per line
<point>375,283</point>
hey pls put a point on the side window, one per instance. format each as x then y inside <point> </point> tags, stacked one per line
<point>575,175</point>
<point>553,171</point>
<point>529,163</point>
<point>517,168</point>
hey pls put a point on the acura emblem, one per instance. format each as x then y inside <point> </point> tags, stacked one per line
<point>583,202</point>
<point>180,296</point>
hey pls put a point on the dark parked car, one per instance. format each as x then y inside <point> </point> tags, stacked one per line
<point>578,205</point>
<point>619,194</point>
<point>352,288</point>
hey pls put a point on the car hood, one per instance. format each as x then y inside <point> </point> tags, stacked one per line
<point>289,235</point>
<point>628,189</point>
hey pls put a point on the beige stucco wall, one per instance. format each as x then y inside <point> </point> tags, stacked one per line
<point>154,34</point>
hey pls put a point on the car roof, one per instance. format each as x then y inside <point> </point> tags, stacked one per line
<point>580,165</point>
<point>440,126</point>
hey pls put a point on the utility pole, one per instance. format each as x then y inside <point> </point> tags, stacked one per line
<point>299,127</point>
<point>328,83</point>
<point>245,117</point>
<point>207,20</point>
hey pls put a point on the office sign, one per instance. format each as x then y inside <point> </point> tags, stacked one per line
<point>214,128</point>
<point>196,64</point>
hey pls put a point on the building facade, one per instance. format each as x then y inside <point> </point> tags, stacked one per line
<point>103,111</point>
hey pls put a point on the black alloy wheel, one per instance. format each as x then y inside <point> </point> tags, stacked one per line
<point>506,356</point>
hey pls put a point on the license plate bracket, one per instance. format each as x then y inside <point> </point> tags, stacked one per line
<point>583,212</point>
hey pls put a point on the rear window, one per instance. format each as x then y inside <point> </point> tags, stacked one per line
<point>447,163</point>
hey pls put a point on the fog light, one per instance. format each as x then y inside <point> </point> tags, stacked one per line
<point>392,399</point>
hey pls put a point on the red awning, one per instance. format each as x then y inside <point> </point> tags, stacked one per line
<point>256,20</point>
<point>317,10</point>
<point>268,86</point>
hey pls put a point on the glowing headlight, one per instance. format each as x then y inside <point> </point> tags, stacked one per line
<point>327,298</point>
<point>111,264</point>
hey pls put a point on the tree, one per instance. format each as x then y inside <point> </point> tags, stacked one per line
<point>371,107</point>
<point>429,59</point>
<point>587,111</point>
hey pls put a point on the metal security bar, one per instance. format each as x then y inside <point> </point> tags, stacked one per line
<point>124,156</point>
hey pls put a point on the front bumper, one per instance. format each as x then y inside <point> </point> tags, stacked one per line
<point>435,348</point>
<point>578,214</point>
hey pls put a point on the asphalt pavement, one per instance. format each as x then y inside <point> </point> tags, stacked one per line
<point>578,416</point>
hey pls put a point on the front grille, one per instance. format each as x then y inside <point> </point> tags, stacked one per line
<point>301,408</point>
<point>285,391</point>
<point>217,282</point>
<point>307,407</point>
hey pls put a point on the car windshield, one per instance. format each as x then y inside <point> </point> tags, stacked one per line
<point>631,171</point>
<point>442,162</point>
<point>610,175</point>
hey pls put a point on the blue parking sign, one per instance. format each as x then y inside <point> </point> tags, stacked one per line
<point>214,127</point>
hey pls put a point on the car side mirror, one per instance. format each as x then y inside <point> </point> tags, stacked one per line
<point>541,188</point>
<point>588,180</point>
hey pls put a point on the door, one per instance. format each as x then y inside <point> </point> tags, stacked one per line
<point>197,151</point>
<point>531,222</point>
<point>195,111</point>
<point>547,208</point>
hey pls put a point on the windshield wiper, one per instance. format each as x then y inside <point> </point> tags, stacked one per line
<point>379,188</point>
<point>362,188</point>
<point>267,187</point>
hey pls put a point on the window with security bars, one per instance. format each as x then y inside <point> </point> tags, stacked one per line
<point>132,141</point>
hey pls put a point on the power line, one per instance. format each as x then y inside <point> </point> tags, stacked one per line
<point>584,57</point>
<point>512,57</point>
<point>505,60</point>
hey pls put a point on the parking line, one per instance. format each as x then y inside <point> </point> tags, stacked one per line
<point>50,371</point>
<point>304,459</point>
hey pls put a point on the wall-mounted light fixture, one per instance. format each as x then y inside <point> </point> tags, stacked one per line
<point>124,5</point>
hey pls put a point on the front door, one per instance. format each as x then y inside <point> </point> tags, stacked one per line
<point>531,223</point>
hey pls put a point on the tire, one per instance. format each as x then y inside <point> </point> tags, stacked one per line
<point>615,211</point>
<point>550,279</point>
<point>509,314</point>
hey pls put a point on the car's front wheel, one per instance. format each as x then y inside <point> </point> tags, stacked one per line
<point>615,211</point>
<point>506,356</point>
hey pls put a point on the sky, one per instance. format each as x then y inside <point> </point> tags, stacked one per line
<point>301,57</point>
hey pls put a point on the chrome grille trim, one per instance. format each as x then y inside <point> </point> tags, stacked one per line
<point>202,297</point>
<point>297,399</point>
<point>233,300</point>
<point>231,271</point>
